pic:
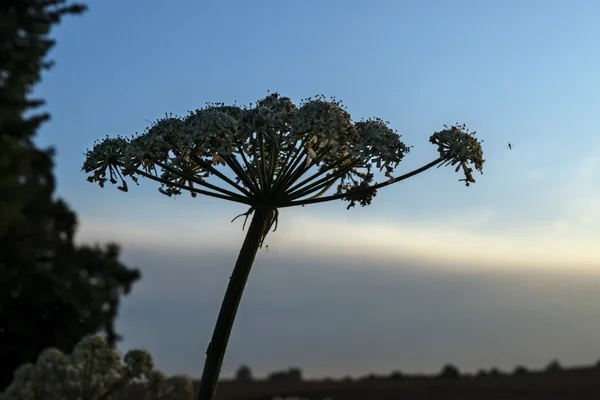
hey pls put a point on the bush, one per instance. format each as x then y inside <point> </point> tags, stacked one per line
<point>244,373</point>
<point>291,375</point>
<point>94,371</point>
<point>520,370</point>
<point>396,375</point>
<point>449,372</point>
<point>554,367</point>
<point>295,374</point>
<point>482,373</point>
<point>370,377</point>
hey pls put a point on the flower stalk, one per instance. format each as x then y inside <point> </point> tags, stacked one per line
<point>268,148</point>
<point>215,353</point>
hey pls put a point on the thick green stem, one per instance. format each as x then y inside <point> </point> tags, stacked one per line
<point>216,349</point>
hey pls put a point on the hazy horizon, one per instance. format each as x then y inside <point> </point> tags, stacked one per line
<point>336,314</point>
<point>499,274</point>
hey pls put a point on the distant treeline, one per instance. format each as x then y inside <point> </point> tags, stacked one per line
<point>449,371</point>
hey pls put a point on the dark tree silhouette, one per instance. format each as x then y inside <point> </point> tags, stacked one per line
<point>291,375</point>
<point>520,370</point>
<point>553,367</point>
<point>449,372</point>
<point>243,373</point>
<point>482,373</point>
<point>370,377</point>
<point>295,374</point>
<point>24,26</point>
<point>52,292</point>
<point>397,375</point>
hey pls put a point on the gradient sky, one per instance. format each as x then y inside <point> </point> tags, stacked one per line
<point>502,273</point>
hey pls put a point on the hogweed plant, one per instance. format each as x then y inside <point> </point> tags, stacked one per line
<point>276,155</point>
<point>94,371</point>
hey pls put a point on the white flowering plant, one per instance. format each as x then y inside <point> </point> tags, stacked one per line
<point>268,156</point>
<point>94,371</point>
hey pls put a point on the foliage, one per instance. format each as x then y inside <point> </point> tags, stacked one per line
<point>397,375</point>
<point>291,375</point>
<point>24,44</point>
<point>520,370</point>
<point>52,292</point>
<point>554,366</point>
<point>94,371</point>
<point>370,377</point>
<point>449,371</point>
<point>243,373</point>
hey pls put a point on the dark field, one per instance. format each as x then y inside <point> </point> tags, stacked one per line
<point>576,384</point>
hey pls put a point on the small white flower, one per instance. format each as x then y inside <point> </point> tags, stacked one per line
<point>94,368</point>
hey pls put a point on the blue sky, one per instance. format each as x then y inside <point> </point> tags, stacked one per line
<point>524,72</point>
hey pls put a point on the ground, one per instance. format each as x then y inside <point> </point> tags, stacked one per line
<point>575,384</point>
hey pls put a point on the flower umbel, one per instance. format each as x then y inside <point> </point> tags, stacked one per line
<point>266,156</point>
<point>457,145</point>
<point>278,153</point>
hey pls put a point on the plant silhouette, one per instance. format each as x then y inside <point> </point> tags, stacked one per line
<point>49,291</point>
<point>280,155</point>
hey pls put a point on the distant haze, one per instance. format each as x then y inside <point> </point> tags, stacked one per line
<point>334,314</point>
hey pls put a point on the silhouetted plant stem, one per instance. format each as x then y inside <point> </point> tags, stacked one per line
<point>215,353</point>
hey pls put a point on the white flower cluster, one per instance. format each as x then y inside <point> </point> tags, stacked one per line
<point>261,143</point>
<point>325,123</point>
<point>457,146</point>
<point>380,144</point>
<point>93,371</point>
